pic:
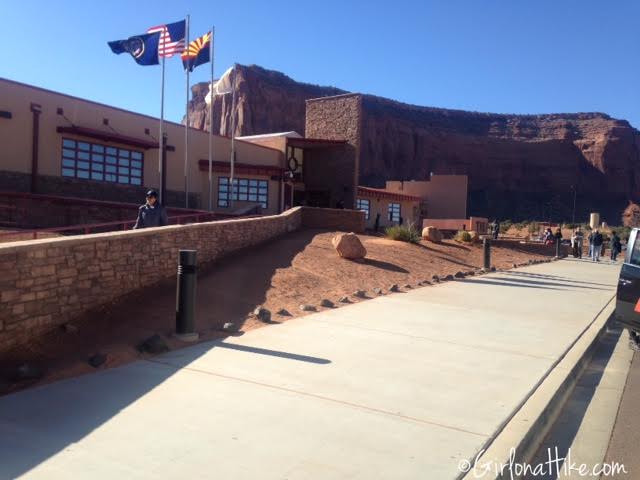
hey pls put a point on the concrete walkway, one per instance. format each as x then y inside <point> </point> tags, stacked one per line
<point>399,387</point>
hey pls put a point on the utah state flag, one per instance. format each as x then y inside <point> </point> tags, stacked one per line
<point>143,48</point>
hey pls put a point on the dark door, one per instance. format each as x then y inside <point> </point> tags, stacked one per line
<point>628,294</point>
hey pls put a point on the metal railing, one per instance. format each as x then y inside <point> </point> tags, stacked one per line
<point>104,227</point>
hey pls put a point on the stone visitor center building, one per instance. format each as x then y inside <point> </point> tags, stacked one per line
<point>56,144</point>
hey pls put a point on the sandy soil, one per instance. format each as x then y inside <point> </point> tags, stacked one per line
<point>299,268</point>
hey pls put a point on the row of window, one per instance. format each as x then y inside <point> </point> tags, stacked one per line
<point>393,211</point>
<point>94,161</point>
<point>244,190</point>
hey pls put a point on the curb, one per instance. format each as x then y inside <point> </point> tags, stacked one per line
<point>528,425</point>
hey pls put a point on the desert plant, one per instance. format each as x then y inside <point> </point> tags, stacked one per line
<point>404,233</point>
<point>505,226</point>
<point>463,236</point>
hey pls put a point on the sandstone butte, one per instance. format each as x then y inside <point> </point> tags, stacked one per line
<point>519,166</point>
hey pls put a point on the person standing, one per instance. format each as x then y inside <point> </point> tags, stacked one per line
<point>151,214</point>
<point>596,241</point>
<point>580,241</point>
<point>496,229</point>
<point>590,239</point>
<point>616,246</point>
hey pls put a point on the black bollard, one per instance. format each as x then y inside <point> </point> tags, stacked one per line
<point>486,245</point>
<point>557,248</point>
<point>186,296</point>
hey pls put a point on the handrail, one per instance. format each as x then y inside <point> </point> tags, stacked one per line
<point>86,229</point>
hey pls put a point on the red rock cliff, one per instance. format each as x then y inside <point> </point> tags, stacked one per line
<point>519,166</point>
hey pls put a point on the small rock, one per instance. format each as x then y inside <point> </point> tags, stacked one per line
<point>154,344</point>
<point>307,308</point>
<point>448,278</point>
<point>283,312</point>
<point>408,285</point>
<point>515,265</point>
<point>230,327</point>
<point>470,273</point>
<point>377,291</point>
<point>435,279</point>
<point>459,275</point>
<point>27,371</point>
<point>394,288</point>
<point>96,360</point>
<point>530,262</point>
<point>344,300</point>
<point>325,302</point>
<point>359,294</point>
<point>69,328</point>
<point>262,314</point>
<point>493,269</point>
<point>426,282</point>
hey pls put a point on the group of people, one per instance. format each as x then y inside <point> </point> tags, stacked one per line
<point>596,243</point>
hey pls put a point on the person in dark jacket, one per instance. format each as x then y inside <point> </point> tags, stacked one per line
<point>616,246</point>
<point>151,214</point>
<point>597,241</point>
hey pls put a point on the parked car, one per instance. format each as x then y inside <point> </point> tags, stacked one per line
<point>628,294</point>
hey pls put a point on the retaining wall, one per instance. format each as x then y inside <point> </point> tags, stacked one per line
<point>45,283</point>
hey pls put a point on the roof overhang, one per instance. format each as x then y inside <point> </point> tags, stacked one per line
<point>380,193</point>
<point>241,168</point>
<point>109,137</point>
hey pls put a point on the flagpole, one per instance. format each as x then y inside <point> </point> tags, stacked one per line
<point>211,98</point>
<point>233,132</point>
<point>186,127</point>
<point>161,139</point>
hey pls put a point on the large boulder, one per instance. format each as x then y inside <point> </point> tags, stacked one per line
<point>348,245</point>
<point>432,234</point>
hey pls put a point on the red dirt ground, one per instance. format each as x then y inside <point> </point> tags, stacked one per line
<point>299,268</point>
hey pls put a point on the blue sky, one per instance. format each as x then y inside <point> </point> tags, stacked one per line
<point>525,56</point>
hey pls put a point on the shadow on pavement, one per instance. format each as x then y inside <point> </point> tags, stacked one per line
<point>564,431</point>
<point>35,427</point>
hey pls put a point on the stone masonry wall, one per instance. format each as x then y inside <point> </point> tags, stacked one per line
<point>46,283</point>
<point>333,219</point>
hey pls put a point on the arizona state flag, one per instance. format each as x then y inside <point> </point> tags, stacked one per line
<point>143,48</point>
<point>197,53</point>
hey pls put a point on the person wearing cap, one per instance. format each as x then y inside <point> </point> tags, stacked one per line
<point>151,214</point>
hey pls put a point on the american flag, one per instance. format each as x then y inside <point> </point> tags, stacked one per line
<point>171,38</point>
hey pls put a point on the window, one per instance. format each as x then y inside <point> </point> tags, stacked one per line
<point>244,190</point>
<point>394,212</point>
<point>92,161</point>
<point>634,259</point>
<point>363,204</point>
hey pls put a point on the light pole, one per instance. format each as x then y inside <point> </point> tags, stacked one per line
<point>573,215</point>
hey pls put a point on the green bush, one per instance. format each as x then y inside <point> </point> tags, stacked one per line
<point>505,226</point>
<point>404,233</point>
<point>463,236</point>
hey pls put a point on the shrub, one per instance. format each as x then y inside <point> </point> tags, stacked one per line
<point>404,233</point>
<point>463,236</point>
<point>505,226</point>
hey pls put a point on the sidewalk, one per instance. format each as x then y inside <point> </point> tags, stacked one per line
<point>403,386</point>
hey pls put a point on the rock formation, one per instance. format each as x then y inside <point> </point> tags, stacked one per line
<point>267,101</point>
<point>519,166</point>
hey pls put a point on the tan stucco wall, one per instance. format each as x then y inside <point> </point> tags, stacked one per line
<point>16,134</point>
<point>408,211</point>
<point>446,195</point>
